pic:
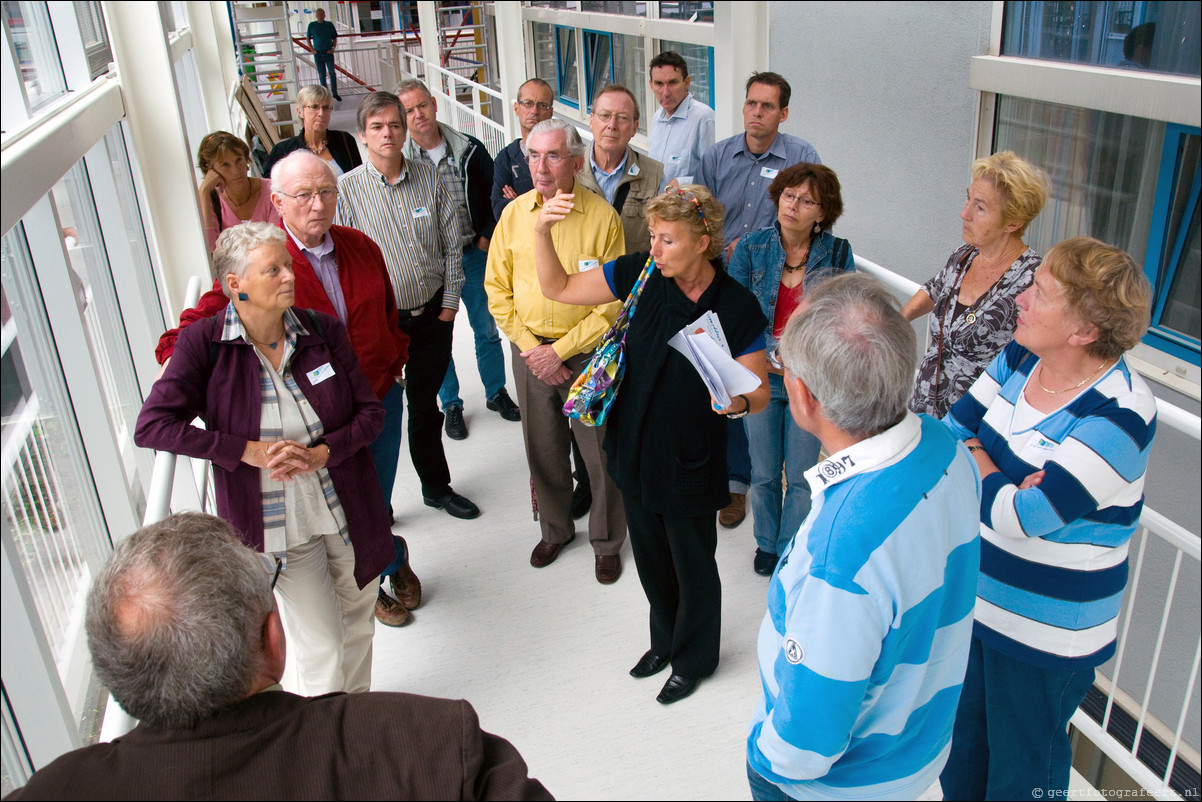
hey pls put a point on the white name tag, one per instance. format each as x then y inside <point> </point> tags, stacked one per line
<point>585,265</point>
<point>634,170</point>
<point>1043,444</point>
<point>422,211</point>
<point>768,172</point>
<point>320,374</point>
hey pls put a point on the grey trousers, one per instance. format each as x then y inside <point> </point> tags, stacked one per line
<point>545,431</point>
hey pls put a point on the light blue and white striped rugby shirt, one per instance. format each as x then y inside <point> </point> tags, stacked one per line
<point>863,650</point>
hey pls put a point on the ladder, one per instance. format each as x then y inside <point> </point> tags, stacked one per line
<point>264,46</point>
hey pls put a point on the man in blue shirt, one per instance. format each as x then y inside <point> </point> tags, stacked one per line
<point>864,645</point>
<point>738,171</point>
<point>323,38</point>
<point>682,128</point>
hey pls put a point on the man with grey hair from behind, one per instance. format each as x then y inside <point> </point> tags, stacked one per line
<point>864,645</point>
<point>184,632</point>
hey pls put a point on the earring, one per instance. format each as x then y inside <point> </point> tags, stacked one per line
<point>817,228</point>
<point>243,296</point>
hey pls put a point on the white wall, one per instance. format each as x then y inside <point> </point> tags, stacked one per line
<point>881,91</point>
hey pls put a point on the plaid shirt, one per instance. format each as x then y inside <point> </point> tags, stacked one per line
<point>270,428</point>
<point>452,182</point>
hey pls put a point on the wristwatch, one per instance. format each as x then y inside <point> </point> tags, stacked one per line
<point>746,408</point>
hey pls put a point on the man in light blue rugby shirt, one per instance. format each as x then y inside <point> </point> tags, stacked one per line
<point>863,649</point>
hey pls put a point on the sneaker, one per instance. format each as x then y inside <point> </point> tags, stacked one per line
<point>390,612</point>
<point>503,404</point>
<point>456,428</point>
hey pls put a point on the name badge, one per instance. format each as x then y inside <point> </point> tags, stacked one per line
<point>1043,444</point>
<point>634,170</point>
<point>320,374</point>
<point>768,172</point>
<point>422,211</point>
<point>585,265</point>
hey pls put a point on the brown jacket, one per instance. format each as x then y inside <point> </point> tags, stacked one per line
<point>644,175</point>
<point>276,745</point>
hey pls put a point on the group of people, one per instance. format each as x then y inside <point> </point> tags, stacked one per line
<point>946,538</point>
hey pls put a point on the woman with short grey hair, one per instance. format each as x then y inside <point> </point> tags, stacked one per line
<point>289,418</point>
<point>338,149</point>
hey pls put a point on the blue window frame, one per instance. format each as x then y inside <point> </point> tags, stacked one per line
<point>598,63</point>
<point>1172,263</point>
<point>567,83</point>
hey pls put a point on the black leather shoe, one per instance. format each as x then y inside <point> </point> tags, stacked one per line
<point>648,665</point>
<point>456,505</point>
<point>765,562</point>
<point>456,428</point>
<point>582,499</point>
<point>501,403</point>
<point>677,688</point>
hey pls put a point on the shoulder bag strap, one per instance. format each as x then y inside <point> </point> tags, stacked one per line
<point>216,201</point>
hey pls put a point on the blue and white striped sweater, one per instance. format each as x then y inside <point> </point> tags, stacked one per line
<point>863,649</point>
<point>1054,557</point>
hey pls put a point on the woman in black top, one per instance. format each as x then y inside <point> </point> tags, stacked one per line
<point>666,439</point>
<point>314,105</point>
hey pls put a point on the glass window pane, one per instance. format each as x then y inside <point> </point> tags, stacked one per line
<point>624,7</point>
<point>1160,37</point>
<point>700,60</point>
<point>544,54</point>
<point>36,51</point>
<point>1181,308</point>
<point>598,63</point>
<point>94,35</point>
<point>630,70</point>
<point>100,310</point>
<point>567,81</point>
<point>1177,274</point>
<point>50,507</point>
<point>563,5</point>
<point>1103,169</point>
<point>693,12</point>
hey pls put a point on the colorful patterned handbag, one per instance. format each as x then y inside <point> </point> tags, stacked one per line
<point>596,387</point>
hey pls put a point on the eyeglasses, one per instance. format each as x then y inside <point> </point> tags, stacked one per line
<point>689,197</point>
<point>318,108</point>
<point>530,104</point>
<point>553,160</point>
<point>604,118</point>
<point>306,197</point>
<point>790,197</point>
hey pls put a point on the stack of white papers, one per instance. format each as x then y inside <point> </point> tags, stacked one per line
<point>704,344</point>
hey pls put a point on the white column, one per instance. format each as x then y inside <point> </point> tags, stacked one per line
<point>740,48</point>
<point>427,20</point>
<point>216,61</point>
<point>160,143</point>
<point>511,59</point>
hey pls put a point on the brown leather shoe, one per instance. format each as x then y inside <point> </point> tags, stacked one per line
<point>609,568</point>
<point>406,586</point>
<point>545,553</point>
<point>733,514</point>
<point>390,612</point>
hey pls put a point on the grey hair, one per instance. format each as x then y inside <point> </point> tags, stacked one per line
<point>411,83</point>
<point>235,244</point>
<point>313,94</point>
<point>281,169</point>
<point>854,351</point>
<point>175,620</point>
<point>576,145</point>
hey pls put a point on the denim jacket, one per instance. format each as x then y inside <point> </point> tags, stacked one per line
<point>759,261</point>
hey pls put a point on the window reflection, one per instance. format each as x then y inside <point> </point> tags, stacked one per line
<point>35,50</point>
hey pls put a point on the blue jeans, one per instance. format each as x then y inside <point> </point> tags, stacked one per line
<point>386,451</point>
<point>490,359</point>
<point>764,791</point>
<point>778,445</point>
<point>325,65</point>
<point>1010,739</point>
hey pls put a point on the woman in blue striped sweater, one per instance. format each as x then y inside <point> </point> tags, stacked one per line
<point>1061,430</point>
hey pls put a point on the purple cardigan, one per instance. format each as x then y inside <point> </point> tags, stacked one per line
<point>223,391</point>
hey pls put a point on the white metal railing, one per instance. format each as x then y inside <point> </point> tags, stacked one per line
<point>450,89</point>
<point>362,61</point>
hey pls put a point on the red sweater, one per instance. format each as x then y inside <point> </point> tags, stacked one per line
<point>371,311</point>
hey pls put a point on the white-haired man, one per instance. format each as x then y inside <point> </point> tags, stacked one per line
<point>863,649</point>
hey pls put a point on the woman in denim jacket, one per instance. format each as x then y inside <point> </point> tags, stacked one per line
<point>776,264</point>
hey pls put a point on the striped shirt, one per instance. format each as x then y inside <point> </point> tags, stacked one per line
<point>1054,557</point>
<point>415,224</point>
<point>308,505</point>
<point>863,649</point>
<point>443,160</point>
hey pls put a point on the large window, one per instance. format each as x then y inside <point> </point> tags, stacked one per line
<point>1155,36</point>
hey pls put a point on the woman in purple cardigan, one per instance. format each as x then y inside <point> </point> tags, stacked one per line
<point>289,417</point>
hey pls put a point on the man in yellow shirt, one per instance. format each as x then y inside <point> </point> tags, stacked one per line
<point>552,343</point>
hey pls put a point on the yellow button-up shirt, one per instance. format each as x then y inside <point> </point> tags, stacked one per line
<point>588,238</point>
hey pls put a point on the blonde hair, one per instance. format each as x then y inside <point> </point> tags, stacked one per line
<point>1024,186</point>
<point>1104,288</point>
<point>313,95</point>
<point>704,218</point>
